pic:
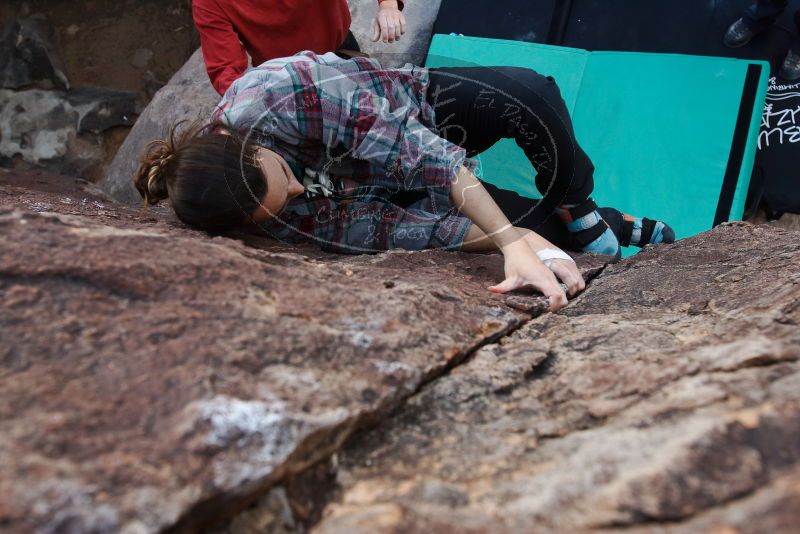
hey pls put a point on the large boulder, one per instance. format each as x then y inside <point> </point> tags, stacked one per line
<point>70,132</point>
<point>41,126</point>
<point>412,46</point>
<point>188,96</point>
<point>665,399</point>
<point>152,376</point>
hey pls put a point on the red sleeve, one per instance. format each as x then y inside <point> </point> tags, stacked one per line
<point>224,55</point>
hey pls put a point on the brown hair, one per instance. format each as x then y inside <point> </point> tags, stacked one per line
<point>211,178</point>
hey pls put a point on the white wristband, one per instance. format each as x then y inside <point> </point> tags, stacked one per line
<point>547,255</point>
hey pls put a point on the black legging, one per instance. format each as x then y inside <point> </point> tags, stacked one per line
<point>350,43</point>
<point>477,106</point>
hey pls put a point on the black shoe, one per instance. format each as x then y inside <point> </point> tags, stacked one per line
<point>652,232</point>
<point>739,34</point>
<point>790,69</point>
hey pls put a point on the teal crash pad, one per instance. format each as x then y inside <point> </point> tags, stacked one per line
<point>672,137</point>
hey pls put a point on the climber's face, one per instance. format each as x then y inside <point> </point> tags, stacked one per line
<point>282,185</point>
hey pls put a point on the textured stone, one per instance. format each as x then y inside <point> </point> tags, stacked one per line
<point>40,126</point>
<point>141,58</point>
<point>412,46</point>
<point>35,125</point>
<point>101,109</point>
<point>667,393</point>
<point>152,376</point>
<point>773,508</point>
<point>28,55</point>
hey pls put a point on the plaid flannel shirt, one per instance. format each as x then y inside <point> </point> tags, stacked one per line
<point>354,120</point>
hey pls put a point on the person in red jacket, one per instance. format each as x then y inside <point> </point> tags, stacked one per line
<point>268,29</point>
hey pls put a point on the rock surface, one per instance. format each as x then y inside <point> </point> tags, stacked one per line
<point>94,45</point>
<point>668,394</point>
<point>412,46</point>
<point>28,55</point>
<point>66,131</point>
<point>152,377</point>
<point>98,42</point>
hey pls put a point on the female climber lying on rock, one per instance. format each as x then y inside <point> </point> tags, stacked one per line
<point>347,153</point>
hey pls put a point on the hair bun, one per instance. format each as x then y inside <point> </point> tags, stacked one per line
<point>156,183</point>
<point>162,160</point>
<point>150,179</point>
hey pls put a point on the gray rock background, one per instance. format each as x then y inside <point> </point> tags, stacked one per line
<point>61,130</point>
<point>29,55</point>
<point>45,122</point>
<point>412,46</point>
<point>61,60</point>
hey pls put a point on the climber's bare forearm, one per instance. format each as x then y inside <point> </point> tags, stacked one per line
<point>523,269</point>
<point>474,202</point>
<point>491,229</point>
<point>476,240</point>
